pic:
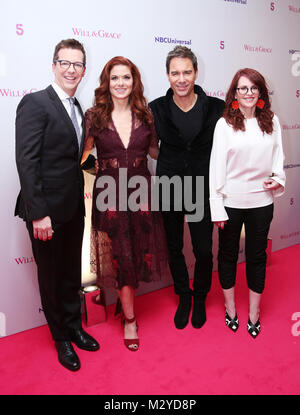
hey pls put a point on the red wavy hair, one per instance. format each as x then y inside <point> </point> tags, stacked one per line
<point>235,117</point>
<point>103,104</point>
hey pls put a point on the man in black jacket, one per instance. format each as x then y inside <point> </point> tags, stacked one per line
<point>49,142</point>
<point>185,119</point>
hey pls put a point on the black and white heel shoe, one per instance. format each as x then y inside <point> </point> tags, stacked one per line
<point>253,329</point>
<point>232,323</point>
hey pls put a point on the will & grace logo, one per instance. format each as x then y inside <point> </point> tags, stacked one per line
<point>294,9</point>
<point>219,93</point>
<point>99,33</point>
<point>24,260</point>
<point>291,126</point>
<point>257,49</point>
<point>160,39</point>
<point>15,93</point>
<point>290,235</point>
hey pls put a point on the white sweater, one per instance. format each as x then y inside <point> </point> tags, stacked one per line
<point>240,163</point>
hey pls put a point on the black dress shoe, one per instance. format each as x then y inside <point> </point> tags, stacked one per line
<point>83,340</point>
<point>182,314</point>
<point>67,356</point>
<point>199,312</point>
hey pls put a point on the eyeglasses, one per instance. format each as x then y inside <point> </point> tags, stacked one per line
<point>78,66</point>
<point>244,90</point>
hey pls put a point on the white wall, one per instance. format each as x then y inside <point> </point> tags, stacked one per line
<point>225,35</point>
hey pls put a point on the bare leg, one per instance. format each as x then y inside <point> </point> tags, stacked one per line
<point>126,295</point>
<point>254,302</point>
<point>230,302</point>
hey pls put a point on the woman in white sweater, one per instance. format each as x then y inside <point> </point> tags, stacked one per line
<point>246,172</point>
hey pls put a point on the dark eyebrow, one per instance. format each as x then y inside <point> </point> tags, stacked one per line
<point>245,86</point>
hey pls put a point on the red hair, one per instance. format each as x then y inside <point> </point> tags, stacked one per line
<point>235,117</point>
<point>103,104</point>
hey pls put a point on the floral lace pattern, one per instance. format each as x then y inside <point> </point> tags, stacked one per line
<point>126,246</point>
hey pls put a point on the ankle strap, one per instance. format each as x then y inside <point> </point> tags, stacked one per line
<point>129,320</point>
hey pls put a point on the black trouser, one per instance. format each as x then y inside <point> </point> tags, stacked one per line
<point>59,275</point>
<point>257,223</point>
<point>201,236</point>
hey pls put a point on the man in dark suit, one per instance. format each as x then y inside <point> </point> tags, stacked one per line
<point>49,141</point>
<point>185,119</point>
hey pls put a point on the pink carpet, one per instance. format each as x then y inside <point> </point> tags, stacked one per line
<point>212,360</point>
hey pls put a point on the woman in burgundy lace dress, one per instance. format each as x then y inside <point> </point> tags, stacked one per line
<point>127,239</point>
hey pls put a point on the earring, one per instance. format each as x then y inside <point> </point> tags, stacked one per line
<point>235,104</point>
<point>260,103</point>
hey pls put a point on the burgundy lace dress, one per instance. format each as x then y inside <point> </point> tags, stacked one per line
<point>126,246</point>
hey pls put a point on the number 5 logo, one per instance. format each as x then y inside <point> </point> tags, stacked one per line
<point>19,29</point>
<point>296,65</point>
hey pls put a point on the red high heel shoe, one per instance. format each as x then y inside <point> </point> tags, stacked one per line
<point>131,344</point>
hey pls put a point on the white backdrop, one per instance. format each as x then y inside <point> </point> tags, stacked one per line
<point>226,35</point>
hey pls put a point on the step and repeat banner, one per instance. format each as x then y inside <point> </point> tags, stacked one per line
<point>226,35</point>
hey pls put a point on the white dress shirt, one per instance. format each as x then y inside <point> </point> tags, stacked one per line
<point>64,99</point>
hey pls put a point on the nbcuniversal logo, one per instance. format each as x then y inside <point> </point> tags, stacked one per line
<point>237,1</point>
<point>161,39</point>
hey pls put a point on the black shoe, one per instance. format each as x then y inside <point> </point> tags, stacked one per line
<point>182,314</point>
<point>232,323</point>
<point>83,340</point>
<point>253,329</point>
<point>67,356</point>
<point>199,313</point>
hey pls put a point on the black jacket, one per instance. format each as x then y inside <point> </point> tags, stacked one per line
<point>48,159</point>
<point>177,156</point>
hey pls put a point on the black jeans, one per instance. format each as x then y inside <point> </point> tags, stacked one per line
<point>257,223</point>
<point>201,236</point>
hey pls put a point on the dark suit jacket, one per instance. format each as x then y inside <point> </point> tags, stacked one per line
<point>177,156</point>
<point>48,159</point>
